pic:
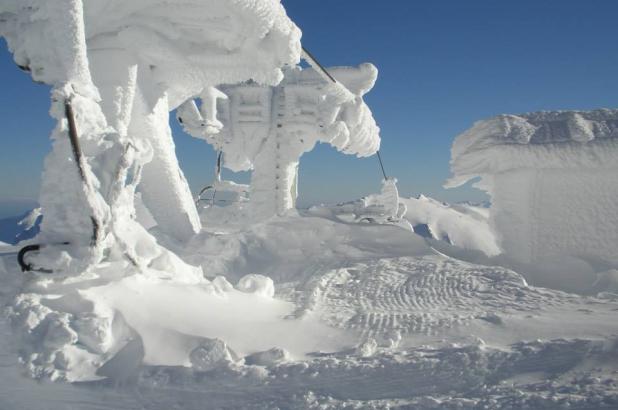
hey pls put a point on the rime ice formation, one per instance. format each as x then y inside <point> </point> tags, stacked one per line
<point>117,69</point>
<point>267,128</point>
<point>124,66</point>
<point>552,179</point>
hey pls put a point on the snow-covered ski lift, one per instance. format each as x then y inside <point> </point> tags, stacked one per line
<point>266,129</point>
<point>124,66</point>
<point>376,208</point>
<point>240,192</point>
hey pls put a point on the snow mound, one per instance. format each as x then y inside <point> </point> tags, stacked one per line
<point>210,354</point>
<point>462,225</point>
<point>257,284</point>
<point>293,247</point>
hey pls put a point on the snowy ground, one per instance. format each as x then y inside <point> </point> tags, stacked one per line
<point>363,316</point>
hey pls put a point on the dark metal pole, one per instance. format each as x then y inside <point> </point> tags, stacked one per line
<point>325,71</point>
<point>77,154</point>
<point>319,65</point>
<point>381,165</point>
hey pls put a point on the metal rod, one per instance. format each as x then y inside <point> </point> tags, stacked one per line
<point>325,71</point>
<point>319,65</point>
<point>381,165</point>
<point>77,154</point>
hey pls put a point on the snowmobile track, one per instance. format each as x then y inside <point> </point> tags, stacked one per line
<point>421,295</point>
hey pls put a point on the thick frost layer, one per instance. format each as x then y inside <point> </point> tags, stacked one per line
<point>146,58</point>
<point>117,68</point>
<point>186,43</point>
<point>552,178</point>
<point>558,139</point>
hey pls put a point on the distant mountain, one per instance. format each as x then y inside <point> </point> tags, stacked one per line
<point>12,232</point>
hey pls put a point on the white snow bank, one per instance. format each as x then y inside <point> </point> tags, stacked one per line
<point>552,179</point>
<point>464,226</point>
<point>173,320</point>
<point>293,247</point>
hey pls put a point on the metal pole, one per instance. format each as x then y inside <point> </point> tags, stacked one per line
<point>381,165</point>
<point>308,54</point>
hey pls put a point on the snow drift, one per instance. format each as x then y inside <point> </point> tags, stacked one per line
<point>552,179</point>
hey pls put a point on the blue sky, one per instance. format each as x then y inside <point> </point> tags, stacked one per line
<point>443,65</point>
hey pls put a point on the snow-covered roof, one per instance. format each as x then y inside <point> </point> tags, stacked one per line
<point>547,139</point>
<point>184,42</point>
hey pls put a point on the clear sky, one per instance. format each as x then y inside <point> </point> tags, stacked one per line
<point>443,65</point>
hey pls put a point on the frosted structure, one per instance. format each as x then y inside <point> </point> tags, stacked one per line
<point>266,129</point>
<point>117,68</point>
<point>552,179</point>
<point>123,66</point>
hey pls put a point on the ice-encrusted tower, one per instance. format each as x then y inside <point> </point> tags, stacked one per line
<point>117,68</point>
<point>266,129</point>
<point>122,67</point>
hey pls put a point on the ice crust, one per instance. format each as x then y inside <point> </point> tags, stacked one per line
<point>551,176</point>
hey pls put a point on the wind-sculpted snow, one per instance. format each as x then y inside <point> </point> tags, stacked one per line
<point>462,225</point>
<point>543,140</point>
<point>364,315</point>
<point>551,177</point>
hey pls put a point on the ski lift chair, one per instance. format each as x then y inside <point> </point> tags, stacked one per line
<point>236,192</point>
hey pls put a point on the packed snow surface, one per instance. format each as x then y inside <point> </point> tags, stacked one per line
<point>312,311</point>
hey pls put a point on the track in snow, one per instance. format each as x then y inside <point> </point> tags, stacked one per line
<point>422,295</point>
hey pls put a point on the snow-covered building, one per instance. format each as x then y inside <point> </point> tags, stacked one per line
<point>553,181</point>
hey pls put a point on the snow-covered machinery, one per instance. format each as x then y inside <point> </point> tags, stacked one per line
<point>267,128</point>
<point>117,69</point>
